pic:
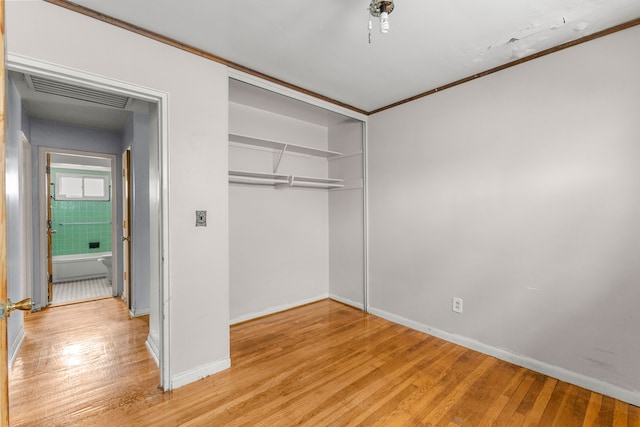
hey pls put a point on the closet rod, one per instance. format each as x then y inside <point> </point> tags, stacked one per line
<point>85,223</point>
<point>314,184</point>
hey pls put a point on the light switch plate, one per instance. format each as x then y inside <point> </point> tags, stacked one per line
<point>201,218</point>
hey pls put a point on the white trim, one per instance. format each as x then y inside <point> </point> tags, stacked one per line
<point>199,373</point>
<point>152,346</point>
<point>57,72</point>
<point>41,68</point>
<point>347,301</point>
<point>602,387</point>
<point>365,215</point>
<point>137,312</point>
<point>15,346</point>
<point>165,307</point>
<point>295,94</point>
<point>276,309</point>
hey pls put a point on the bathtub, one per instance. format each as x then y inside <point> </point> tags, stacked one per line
<point>78,266</point>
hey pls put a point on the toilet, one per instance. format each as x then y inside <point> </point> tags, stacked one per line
<point>106,260</point>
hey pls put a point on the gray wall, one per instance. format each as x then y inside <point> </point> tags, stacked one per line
<point>136,136</point>
<point>520,193</point>
<point>346,247</point>
<point>16,286</point>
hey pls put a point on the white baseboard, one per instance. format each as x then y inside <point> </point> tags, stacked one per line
<point>347,301</point>
<point>198,373</point>
<point>276,309</point>
<point>153,348</point>
<point>602,387</point>
<point>15,346</point>
<point>137,312</point>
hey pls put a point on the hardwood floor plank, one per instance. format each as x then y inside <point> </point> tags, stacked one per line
<point>529,399</point>
<point>323,364</point>
<point>605,417</point>
<point>633,416</point>
<point>573,408</point>
<point>593,409</point>
<point>494,410</point>
<point>619,414</point>
<point>515,400</point>
<point>541,402</point>
<point>555,402</point>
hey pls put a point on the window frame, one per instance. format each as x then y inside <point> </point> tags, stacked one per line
<point>58,195</point>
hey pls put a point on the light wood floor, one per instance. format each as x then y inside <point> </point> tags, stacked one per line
<point>318,365</point>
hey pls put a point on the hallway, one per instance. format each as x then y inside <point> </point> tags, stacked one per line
<point>78,362</point>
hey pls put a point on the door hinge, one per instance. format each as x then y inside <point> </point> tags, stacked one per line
<point>47,169</point>
<point>125,275</point>
<point>50,279</point>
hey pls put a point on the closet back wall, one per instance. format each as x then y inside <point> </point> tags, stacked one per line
<point>279,244</point>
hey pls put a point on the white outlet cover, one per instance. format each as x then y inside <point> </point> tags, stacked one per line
<point>457,305</point>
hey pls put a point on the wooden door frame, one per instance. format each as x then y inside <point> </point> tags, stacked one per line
<point>43,218</point>
<point>127,213</point>
<point>161,99</point>
<point>46,193</point>
<point>4,359</point>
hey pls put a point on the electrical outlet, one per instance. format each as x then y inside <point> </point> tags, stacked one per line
<point>457,305</point>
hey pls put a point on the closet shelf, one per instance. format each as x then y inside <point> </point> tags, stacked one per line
<point>282,146</point>
<point>251,174</point>
<point>281,180</point>
<point>258,178</point>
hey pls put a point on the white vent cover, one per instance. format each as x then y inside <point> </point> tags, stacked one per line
<point>67,90</point>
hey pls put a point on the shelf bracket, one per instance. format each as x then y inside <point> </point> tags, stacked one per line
<point>276,161</point>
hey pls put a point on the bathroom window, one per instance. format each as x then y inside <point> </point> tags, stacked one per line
<point>81,187</point>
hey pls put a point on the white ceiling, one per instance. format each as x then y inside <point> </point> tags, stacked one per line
<point>323,46</point>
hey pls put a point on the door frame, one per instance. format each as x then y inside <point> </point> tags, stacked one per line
<point>126,198</point>
<point>44,193</point>
<point>4,362</point>
<point>32,66</point>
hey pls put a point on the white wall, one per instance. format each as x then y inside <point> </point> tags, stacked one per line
<point>520,193</point>
<point>346,245</point>
<point>279,244</point>
<point>198,96</point>
<point>16,275</point>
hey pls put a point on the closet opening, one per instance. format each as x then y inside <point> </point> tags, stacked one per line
<point>296,202</point>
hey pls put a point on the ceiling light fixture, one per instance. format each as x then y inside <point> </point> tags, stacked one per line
<point>382,9</point>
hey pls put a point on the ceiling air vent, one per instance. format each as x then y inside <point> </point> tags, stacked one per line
<point>67,90</point>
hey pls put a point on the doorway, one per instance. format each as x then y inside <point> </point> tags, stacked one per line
<point>157,155</point>
<point>78,210</point>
